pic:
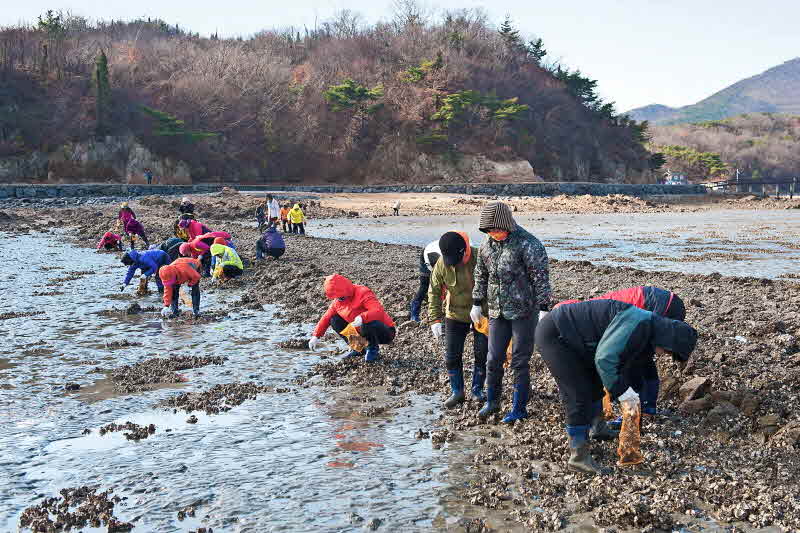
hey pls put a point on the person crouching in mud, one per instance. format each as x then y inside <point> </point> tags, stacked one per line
<point>182,270</point>
<point>270,244</point>
<point>643,374</point>
<point>110,241</point>
<point>228,263</point>
<point>354,305</point>
<point>150,262</point>
<point>590,345</point>
<point>453,274</point>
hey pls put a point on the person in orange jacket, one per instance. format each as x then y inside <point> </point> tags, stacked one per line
<point>355,305</point>
<point>182,270</point>
<point>285,225</point>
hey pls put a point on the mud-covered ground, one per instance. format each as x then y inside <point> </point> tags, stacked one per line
<point>730,455</point>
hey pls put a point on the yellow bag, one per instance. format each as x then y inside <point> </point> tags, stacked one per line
<point>483,327</point>
<point>629,448</point>
<point>354,338</point>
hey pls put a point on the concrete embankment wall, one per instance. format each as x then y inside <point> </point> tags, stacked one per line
<point>500,189</point>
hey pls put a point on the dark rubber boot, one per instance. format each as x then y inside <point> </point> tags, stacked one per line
<point>492,404</point>
<point>599,430</point>
<point>196,300</point>
<point>415,307</point>
<point>478,379</point>
<point>373,353</point>
<point>519,409</point>
<point>580,460</point>
<point>457,387</point>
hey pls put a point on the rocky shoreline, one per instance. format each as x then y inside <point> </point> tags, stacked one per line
<point>727,454</point>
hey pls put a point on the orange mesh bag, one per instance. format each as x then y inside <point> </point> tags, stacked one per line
<point>142,290</point>
<point>354,339</point>
<point>629,449</point>
<point>608,409</point>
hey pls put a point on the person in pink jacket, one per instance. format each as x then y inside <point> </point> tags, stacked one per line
<point>193,228</point>
<point>110,241</point>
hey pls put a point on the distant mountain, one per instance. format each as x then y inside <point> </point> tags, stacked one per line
<point>775,91</point>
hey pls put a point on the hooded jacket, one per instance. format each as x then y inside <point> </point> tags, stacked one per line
<point>193,228</point>
<point>273,208</point>
<point>616,334</point>
<point>149,261</point>
<point>513,275</point>
<point>272,239</point>
<point>109,238</point>
<point>186,207</point>
<point>182,270</point>
<point>172,247</point>
<point>659,301</point>
<point>227,256</point>
<point>125,214</point>
<point>296,215</point>
<point>456,283</point>
<point>358,301</point>
<point>134,227</point>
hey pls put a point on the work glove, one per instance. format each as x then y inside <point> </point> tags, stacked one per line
<point>313,343</point>
<point>122,288</point>
<point>476,314</point>
<point>436,329</point>
<point>358,322</point>
<point>542,314</point>
<point>166,312</point>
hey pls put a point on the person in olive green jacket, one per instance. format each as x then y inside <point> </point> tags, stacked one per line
<point>452,280</point>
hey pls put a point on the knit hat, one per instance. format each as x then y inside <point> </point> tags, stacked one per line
<point>453,248</point>
<point>496,215</point>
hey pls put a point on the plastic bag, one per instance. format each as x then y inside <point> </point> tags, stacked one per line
<point>629,436</point>
<point>608,409</point>
<point>354,339</point>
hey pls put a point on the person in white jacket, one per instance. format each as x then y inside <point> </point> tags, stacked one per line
<point>273,210</point>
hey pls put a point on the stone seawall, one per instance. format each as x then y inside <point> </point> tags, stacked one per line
<point>500,189</point>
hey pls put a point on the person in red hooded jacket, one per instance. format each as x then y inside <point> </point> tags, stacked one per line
<point>356,305</point>
<point>182,270</point>
<point>643,374</point>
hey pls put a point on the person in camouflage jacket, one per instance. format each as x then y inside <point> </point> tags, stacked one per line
<point>512,276</point>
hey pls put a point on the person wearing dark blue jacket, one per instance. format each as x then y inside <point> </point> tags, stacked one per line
<point>271,244</point>
<point>148,262</point>
<point>591,345</point>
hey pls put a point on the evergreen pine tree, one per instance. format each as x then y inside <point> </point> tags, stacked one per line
<point>102,94</point>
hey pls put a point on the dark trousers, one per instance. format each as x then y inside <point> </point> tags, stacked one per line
<point>262,250</point>
<point>195,298</point>
<point>158,280</point>
<point>231,271</point>
<point>579,384</point>
<point>641,370</point>
<point>299,228</point>
<point>396,211</point>
<point>205,262</point>
<point>501,331</point>
<point>286,226</point>
<point>455,335</point>
<point>422,291</point>
<point>376,332</point>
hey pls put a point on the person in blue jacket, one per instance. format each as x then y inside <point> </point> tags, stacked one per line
<point>270,244</point>
<point>591,345</point>
<point>148,262</point>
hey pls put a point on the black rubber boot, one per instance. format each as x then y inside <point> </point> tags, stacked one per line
<point>492,404</point>
<point>599,430</point>
<point>457,386</point>
<point>580,460</point>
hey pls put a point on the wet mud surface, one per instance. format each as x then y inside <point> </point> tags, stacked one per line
<point>725,457</point>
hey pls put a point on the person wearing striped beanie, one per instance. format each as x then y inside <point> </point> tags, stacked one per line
<point>512,276</point>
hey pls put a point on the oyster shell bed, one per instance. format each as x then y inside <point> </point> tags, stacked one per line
<point>138,377</point>
<point>729,452</point>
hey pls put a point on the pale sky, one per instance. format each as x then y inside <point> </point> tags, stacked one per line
<point>641,52</point>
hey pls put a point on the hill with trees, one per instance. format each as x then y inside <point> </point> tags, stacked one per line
<point>760,145</point>
<point>776,90</point>
<point>410,99</point>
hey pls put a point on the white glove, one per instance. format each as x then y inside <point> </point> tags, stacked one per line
<point>542,314</point>
<point>629,394</point>
<point>166,312</point>
<point>436,329</point>
<point>476,314</point>
<point>313,343</point>
<point>358,322</point>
